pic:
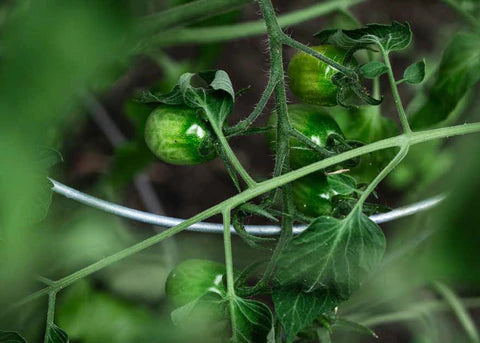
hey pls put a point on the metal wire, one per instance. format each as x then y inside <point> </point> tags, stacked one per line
<point>259,230</point>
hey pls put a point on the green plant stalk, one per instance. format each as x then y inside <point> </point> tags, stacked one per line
<point>459,309</point>
<point>251,193</point>
<point>242,30</point>
<point>396,96</point>
<point>287,40</point>
<point>231,155</point>
<point>50,313</point>
<point>474,22</point>
<point>227,243</point>
<point>246,123</point>
<point>416,311</point>
<point>383,174</point>
<point>282,161</point>
<point>187,13</point>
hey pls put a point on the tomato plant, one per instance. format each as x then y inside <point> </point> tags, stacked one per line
<point>302,256</point>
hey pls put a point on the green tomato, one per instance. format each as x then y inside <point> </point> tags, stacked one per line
<point>312,195</point>
<point>312,121</point>
<point>311,79</point>
<point>366,125</point>
<point>178,135</point>
<point>194,278</point>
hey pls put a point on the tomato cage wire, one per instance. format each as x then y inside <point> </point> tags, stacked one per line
<point>204,227</point>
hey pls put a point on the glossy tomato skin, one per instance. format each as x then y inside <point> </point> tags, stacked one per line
<point>310,78</point>
<point>175,135</point>
<point>194,278</point>
<point>312,195</point>
<point>313,122</point>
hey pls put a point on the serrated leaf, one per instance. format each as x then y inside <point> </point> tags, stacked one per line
<point>297,309</point>
<point>216,99</point>
<point>459,71</point>
<point>392,37</point>
<point>11,337</point>
<point>251,321</point>
<point>332,254</point>
<point>342,184</point>
<point>415,73</point>
<point>56,335</point>
<point>373,69</point>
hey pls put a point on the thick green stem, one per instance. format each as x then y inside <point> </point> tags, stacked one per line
<point>282,161</point>
<point>227,243</point>
<point>257,190</point>
<point>199,35</point>
<point>187,13</point>
<point>396,95</point>
<point>50,313</point>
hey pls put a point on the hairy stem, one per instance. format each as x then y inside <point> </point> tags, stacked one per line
<point>227,243</point>
<point>282,161</point>
<point>267,93</point>
<point>396,95</point>
<point>233,158</point>
<point>299,46</point>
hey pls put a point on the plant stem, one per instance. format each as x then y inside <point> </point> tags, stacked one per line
<point>299,46</point>
<point>459,310</point>
<point>416,311</point>
<point>309,143</point>
<point>233,158</point>
<point>267,93</point>
<point>187,13</point>
<point>221,33</point>
<point>50,313</point>
<point>467,16</point>
<point>393,163</point>
<point>396,95</point>
<point>282,161</point>
<point>257,190</point>
<point>227,243</point>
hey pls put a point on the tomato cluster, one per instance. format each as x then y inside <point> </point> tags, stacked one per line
<point>180,135</point>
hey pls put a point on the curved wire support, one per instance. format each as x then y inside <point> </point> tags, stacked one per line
<point>259,230</point>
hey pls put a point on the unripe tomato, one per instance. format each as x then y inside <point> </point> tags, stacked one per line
<point>312,195</point>
<point>310,78</point>
<point>178,135</point>
<point>194,278</point>
<point>312,121</point>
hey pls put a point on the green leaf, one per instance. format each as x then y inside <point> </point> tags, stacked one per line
<point>332,254</point>
<point>342,184</point>
<point>297,309</point>
<point>251,321</point>
<point>344,324</point>
<point>11,337</point>
<point>48,157</point>
<point>459,71</point>
<point>56,335</point>
<point>373,69</point>
<point>392,37</point>
<point>415,73</point>
<point>216,99</point>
